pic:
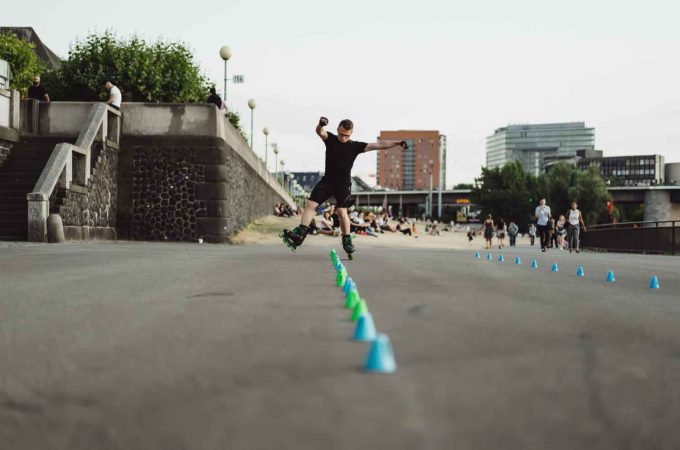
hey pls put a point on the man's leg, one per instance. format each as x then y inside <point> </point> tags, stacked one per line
<point>309,213</point>
<point>344,220</point>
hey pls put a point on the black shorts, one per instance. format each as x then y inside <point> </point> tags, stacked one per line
<point>341,190</point>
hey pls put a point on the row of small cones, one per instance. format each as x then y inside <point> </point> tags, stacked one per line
<point>380,358</point>
<point>653,282</point>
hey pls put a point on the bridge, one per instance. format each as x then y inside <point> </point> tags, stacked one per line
<point>661,202</point>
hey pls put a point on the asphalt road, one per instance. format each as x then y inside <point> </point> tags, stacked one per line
<point>187,346</point>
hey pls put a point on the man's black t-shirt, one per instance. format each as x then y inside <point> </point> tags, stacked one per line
<point>340,157</point>
<point>215,100</point>
<point>37,92</point>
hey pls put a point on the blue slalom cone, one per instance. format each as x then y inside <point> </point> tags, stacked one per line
<point>489,257</point>
<point>348,285</point>
<point>654,283</point>
<point>477,255</point>
<point>580,272</point>
<point>381,357</point>
<point>365,330</point>
<point>554,268</point>
<point>501,259</point>
<point>610,277</point>
<point>534,264</point>
<point>518,261</point>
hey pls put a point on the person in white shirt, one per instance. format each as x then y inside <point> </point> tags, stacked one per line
<point>575,220</point>
<point>542,214</point>
<point>115,97</point>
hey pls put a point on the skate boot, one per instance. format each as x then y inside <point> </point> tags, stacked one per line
<point>348,246</point>
<point>295,237</point>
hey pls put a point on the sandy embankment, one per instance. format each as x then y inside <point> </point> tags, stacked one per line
<point>266,231</point>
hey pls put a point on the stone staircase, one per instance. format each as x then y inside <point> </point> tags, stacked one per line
<point>19,172</point>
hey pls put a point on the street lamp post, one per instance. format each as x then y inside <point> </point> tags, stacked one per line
<point>265,130</point>
<point>276,161</point>
<point>283,173</point>
<point>251,105</point>
<point>225,54</point>
<point>430,194</point>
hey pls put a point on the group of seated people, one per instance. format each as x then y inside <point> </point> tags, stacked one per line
<point>364,222</point>
<point>283,210</point>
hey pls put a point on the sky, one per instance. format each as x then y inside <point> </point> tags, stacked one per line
<point>463,68</point>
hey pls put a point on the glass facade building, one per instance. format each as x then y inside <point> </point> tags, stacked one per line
<point>539,145</point>
<point>639,170</point>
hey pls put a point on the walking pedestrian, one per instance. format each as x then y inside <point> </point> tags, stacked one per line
<point>542,215</point>
<point>513,229</point>
<point>561,232</point>
<point>501,230</point>
<point>532,233</point>
<point>488,231</point>
<point>575,221</point>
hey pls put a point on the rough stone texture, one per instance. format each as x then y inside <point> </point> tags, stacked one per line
<point>164,194</point>
<point>184,188</point>
<point>94,206</point>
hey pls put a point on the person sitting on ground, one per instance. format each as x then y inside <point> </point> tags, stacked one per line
<point>404,227</point>
<point>326,225</point>
<point>434,230</point>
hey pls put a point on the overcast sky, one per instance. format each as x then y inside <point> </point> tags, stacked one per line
<point>463,68</point>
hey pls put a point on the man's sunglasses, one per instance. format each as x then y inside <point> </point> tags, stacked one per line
<point>345,135</point>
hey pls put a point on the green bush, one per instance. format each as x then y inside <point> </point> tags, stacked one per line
<point>22,60</point>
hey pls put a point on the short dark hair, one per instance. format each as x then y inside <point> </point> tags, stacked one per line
<point>212,90</point>
<point>347,124</point>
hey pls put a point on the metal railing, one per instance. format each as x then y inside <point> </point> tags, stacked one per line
<point>662,237</point>
<point>70,163</point>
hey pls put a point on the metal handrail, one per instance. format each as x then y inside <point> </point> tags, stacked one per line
<point>60,166</point>
<point>661,240</point>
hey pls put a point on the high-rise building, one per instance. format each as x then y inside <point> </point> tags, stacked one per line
<point>410,169</point>
<point>537,146</point>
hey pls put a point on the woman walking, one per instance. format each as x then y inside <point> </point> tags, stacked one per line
<point>561,232</point>
<point>501,229</point>
<point>575,225</point>
<point>488,231</point>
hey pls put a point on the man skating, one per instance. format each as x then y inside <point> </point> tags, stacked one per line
<point>341,152</point>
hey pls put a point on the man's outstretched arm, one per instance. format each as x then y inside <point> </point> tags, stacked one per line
<point>321,128</point>
<point>386,145</point>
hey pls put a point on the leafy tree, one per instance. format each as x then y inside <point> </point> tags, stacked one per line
<point>144,72</point>
<point>22,60</point>
<point>505,192</point>
<point>464,186</point>
<point>511,193</point>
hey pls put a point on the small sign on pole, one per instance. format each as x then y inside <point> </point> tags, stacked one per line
<point>237,79</point>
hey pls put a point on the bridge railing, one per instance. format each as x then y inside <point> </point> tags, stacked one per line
<point>661,237</point>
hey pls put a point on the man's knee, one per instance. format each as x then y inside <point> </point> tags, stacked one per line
<point>311,204</point>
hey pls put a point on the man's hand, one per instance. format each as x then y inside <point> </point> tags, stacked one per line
<point>320,128</point>
<point>404,145</point>
<point>323,121</point>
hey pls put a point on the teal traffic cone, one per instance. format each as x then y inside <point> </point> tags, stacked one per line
<point>365,330</point>
<point>348,285</point>
<point>477,255</point>
<point>554,268</point>
<point>501,258</point>
<point>580,272</point>
<point>654,283</point>
<point>534,264</point>
<point>610,277</point>
<point>489,257</point>
<point>518,261</point>
<point>380,356</point>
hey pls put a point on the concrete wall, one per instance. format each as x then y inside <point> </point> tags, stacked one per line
<point>673,173</point>
<point>659,205</point>
<point>185,173</point>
